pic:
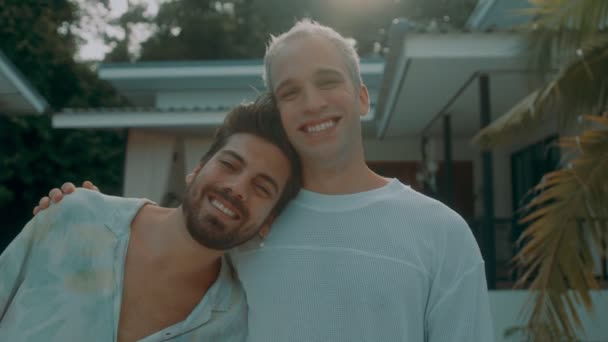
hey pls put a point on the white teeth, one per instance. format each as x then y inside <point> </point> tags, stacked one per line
<point>320,127</point>
<point>221,207</point>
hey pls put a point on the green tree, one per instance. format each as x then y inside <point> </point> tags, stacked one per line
<point>38,38</point>
<point>230,29</point>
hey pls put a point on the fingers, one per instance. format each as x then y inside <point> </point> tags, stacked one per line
<point>42,204</point>
<point>55,195</point>
<point>68,187</point>
<point>89,185</point>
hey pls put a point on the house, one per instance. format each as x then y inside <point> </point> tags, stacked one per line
<point>430,95</point>
<point>176,108</point>
<point>17,96</point>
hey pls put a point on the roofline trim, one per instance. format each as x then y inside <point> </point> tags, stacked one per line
<point>22,84</point>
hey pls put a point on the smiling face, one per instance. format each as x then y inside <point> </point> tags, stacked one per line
<point>319,103</point>
<point>231,197</point>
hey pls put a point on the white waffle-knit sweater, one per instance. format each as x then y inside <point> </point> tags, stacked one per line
<point>388,264</point>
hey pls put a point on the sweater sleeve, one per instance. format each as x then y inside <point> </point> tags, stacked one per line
<point>462,312</point>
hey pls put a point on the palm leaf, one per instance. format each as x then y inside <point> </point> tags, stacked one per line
<point>580,87</point>
<point>560,237</point>
<point>570,37</point>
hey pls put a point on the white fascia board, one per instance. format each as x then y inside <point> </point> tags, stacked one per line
<point>202,71</point>
<point>22,86</point>
<point>137,119</point>
<point>146,120</point>
<point>179,71</point>
<point>375,68</point>
<point>463,45</point>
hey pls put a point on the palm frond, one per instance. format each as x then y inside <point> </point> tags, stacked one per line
<point>586,16</point>
<point>573,219</point>
<point>567,43</point>
<point>580,87</point>
<point>563,28</point>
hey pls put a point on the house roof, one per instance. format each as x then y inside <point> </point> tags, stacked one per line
<point>428,75</point>
<point>218,83</point>
<point>155,76</point>
<point>138,117</point>
<point>193,118</point>
<point>499,14</point>
<point>17,95</point>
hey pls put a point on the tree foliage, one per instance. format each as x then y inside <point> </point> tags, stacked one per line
<point>195,29</point>
<point>37,37</point>
<point>567,216</point>
<point>232,29</point>
<point>568,219</point>
<point>568,45</point>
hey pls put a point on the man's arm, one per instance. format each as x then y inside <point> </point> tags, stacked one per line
<point>462,312</point>
<point>14,261</point>
<point>458,306</point>
<point>56,195</point>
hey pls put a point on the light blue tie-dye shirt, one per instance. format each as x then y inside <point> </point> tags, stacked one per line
<point>61,279</point>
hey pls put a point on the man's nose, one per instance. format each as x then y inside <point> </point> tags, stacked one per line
<point>314,101</point>
<point>236,189</point>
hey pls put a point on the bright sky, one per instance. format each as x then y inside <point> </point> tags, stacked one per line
<point>94,48</point>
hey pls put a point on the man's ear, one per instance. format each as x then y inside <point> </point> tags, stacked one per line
<point>192,174</point>
<point>266,226</point>
<point>363,100</point>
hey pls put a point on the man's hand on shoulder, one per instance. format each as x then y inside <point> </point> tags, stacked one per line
<point>56,195</point>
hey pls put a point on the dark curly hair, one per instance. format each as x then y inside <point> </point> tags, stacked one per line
<point>261,118</point>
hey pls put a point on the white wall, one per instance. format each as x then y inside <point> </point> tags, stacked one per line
<point>148,164</point>
<point>176,185</point>
<point>158,162</point>
<point>506,306</point>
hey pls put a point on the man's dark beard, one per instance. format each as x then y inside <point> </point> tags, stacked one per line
<point>208,230</point>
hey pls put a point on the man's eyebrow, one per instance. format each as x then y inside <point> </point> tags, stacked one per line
<point>324,71</point>
<point>264,176</point>
<point>328,72</point>
<point>283,84</point>
<point>234,155</point>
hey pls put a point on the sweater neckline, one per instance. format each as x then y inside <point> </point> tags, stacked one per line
<point>333,203</point>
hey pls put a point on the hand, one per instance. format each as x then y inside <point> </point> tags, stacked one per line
<point>56,195</point>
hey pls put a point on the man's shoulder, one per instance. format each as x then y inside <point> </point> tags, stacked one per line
<point>423,209</point>
<point>92,205</point>
<point>83,198</point>
<point>436,225</point>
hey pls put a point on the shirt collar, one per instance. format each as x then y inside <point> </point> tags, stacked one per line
<point>119,221</point>
<point>217,298</point>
